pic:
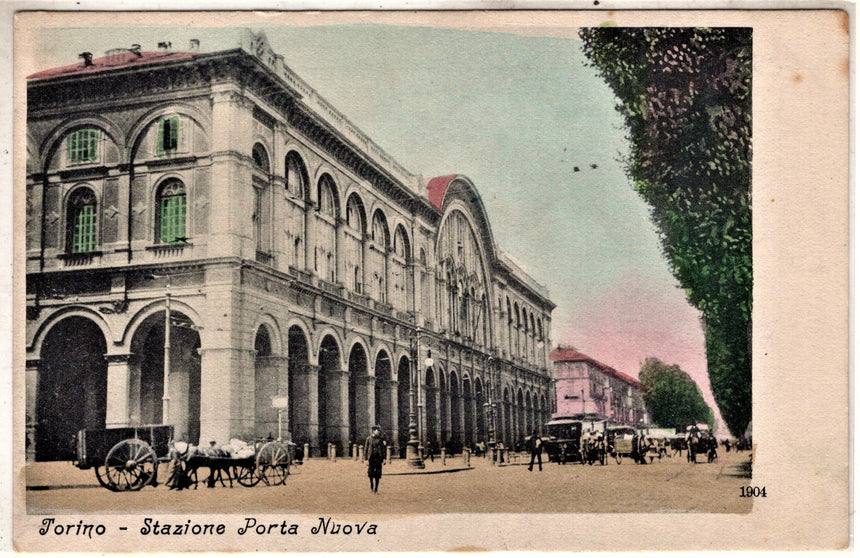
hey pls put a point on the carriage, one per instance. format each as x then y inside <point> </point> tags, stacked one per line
<point>127,458</point>
<point>700,441</point>
<point>562,441</point>
<point>619,442</point>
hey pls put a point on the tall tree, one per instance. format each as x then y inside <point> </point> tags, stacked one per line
<point>686,96</point>
<point>672,397</point>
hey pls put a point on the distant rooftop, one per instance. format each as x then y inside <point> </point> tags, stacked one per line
<point>569,354</point>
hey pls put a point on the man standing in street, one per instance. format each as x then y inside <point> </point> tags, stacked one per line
<point>536,447</point>
<point>374,449</point>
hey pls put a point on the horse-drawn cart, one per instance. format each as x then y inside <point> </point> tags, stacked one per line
<point>127,458</point>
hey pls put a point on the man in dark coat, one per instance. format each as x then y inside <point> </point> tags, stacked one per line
<point>374,449</point>
<point>536,446</point>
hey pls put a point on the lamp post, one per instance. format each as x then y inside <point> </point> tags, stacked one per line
<point>165,396</point>
<point>413,456</point>
<point>490,405</point>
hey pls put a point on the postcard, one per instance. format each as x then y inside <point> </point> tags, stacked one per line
<point>431,281</point>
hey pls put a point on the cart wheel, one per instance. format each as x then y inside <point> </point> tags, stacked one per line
<point>101,476</point>
<point>273,464</point>
<point>130,465</point>
<point>246,476</point>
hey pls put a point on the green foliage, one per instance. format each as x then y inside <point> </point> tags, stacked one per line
<point>686,96</point>
<point>672,397</point>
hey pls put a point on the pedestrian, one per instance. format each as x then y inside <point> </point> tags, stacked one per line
<point>536,446</point>
<point>374,451</point>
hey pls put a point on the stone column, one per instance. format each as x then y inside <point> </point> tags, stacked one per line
<point>340,271</point>
<point>215,379</point>
<point>31,382</point>
<point>306,406</point>
<point>387,275</point>
<point>365,264</point>
<point>365,405</point>
<point>310,234</point>
<point>391,387</point>
<point>460,427</point>
<point>471,402</point>
<point>337,408</point>
<point>118,383</point>
<point>444,415</point>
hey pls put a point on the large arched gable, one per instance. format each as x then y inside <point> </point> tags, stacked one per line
<point>445,190</point>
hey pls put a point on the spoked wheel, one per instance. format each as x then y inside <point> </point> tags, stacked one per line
<point>101,476</point>
<point>130,465</point>
<point>273,464</point>
<point>246,475</point>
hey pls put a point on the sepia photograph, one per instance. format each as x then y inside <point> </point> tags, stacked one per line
<point>320,280</point>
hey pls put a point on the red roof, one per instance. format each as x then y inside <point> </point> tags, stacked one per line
<point>437,187</point>
<point>567,354</point>
<point>122,59</point>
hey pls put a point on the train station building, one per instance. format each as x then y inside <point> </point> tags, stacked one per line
<point>208,238</point>
<point>587,388</point>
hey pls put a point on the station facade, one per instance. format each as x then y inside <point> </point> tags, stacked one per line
<point>588,388</point>
<point>299,263</point>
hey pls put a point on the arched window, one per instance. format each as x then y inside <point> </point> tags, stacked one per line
<point>261,159</point>
<point>401,243</point>
<point>171,212</point>
<point>326,196</point>
<point>297,176</point>
<point>355,214</point>
<point>379,232</point>
<point>81,222</point>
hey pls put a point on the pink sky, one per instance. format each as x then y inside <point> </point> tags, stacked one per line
<point>645,319</point>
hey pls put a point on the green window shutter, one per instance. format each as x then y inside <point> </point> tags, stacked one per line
<point>83,146</point>
<point>168,136</point>
<point>159,144</point>
<point>84,230</point>
<point>173,133</point>
<point>173,220</point>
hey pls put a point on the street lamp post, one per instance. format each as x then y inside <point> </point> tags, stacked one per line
<point>413,456</point>
<point>165,397</point>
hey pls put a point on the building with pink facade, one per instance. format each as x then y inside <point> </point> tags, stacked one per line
<point>585,387</point>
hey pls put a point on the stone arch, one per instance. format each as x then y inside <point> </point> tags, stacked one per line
<point>157,307</point>
<point>268,320</point>
<point>35,344</point>
<point>72,385</point>
<point>139,128</point>
<point>297,179</point>
<point>260,158</point>
<point>270,380</point>
<point>146,341</point>
<point>321,334</point>
<point>51,145</point>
